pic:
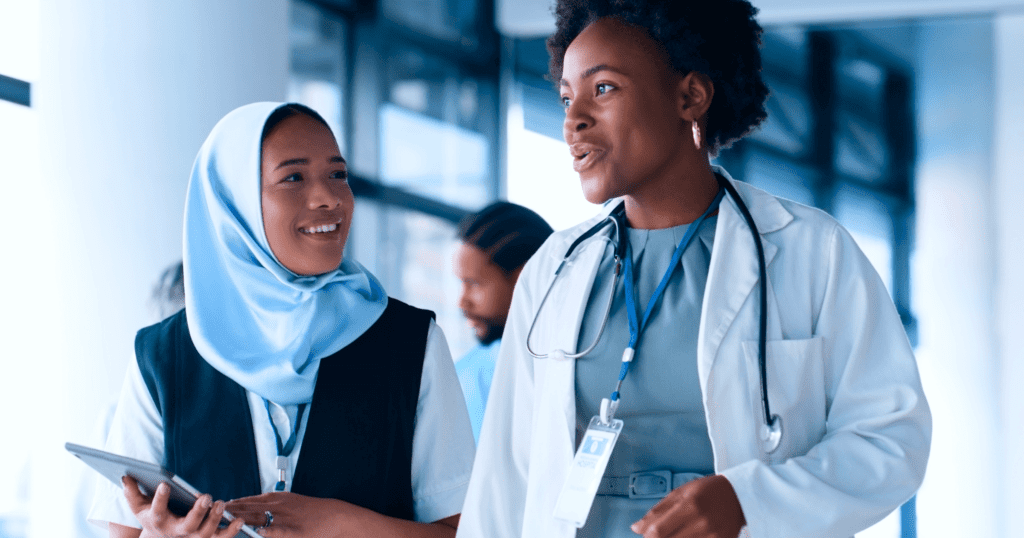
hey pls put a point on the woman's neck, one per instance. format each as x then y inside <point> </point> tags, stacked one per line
<point>672,203</point>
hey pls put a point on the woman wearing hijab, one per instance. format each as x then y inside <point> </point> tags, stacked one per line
<point>650,416</point>
<point>290,382</point>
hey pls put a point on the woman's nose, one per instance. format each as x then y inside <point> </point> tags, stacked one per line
<point>323,196</point>
<point>576,119</point>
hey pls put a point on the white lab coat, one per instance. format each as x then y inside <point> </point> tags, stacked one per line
<point>841,374</point>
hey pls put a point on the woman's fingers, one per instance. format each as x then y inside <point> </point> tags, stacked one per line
<point>662,524</point>
<point>254,515</point>
<point>195,516</point>
<point>159,514</point>
<point>231,530</point>
<point>136,500</point>
<point>209,526</point>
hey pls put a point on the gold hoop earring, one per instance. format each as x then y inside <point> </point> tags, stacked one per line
<point>696,135</point>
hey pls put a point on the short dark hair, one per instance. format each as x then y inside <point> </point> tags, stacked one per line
<point>508,233</point>
<point>719,38</point>
<point>169,292</point>
<point>288,110</point>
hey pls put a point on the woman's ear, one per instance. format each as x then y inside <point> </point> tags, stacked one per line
<point>694,91</point>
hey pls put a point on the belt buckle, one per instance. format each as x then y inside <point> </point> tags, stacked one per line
<point>650,484</point>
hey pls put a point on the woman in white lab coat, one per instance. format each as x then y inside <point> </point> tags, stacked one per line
<point>651,89</point>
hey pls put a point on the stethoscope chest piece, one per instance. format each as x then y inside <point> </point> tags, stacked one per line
<point>771,434</point>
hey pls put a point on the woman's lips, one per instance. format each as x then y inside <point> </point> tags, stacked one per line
<point>586,159</point>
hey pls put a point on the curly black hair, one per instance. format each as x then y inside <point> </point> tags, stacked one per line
<point>718,38</point>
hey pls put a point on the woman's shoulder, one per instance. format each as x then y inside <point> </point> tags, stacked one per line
<point>162,335</point>
<point>396,307</point>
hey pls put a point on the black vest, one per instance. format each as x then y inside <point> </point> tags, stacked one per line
<point>358,441</point>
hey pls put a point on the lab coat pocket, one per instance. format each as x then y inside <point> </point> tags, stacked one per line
<point>796,390</point>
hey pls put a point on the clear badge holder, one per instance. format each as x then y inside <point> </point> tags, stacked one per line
<point>588,467</point>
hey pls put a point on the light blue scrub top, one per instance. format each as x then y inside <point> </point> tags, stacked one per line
<point>475,371</point>
<point>665,426</point>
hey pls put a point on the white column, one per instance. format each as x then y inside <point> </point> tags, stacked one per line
<point>953,276</point>
<point>1008,195</point>
<point>127,93</point>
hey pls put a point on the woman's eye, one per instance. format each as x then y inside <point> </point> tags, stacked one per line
<point>292,178</point>
<point>566,102</point>
<point>340,174</point>
<point>604,88</point>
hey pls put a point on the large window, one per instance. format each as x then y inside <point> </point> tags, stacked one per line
<point>411,87</point>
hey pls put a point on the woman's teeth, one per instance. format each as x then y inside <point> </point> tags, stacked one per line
<point>320,229</point>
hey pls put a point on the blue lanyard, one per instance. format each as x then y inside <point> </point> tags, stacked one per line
<point>637,326</point>
<point>284,449</point>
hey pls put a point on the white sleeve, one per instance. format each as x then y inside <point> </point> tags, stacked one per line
<point>496,500</point>
<point>136,431</point>
<point>442,445</point>
<point>873,455</point>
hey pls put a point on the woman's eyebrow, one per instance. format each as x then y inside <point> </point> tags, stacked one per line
<point>592,71</point>
<point>293,162</point>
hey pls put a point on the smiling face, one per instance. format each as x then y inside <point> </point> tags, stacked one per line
<point>307,202</point>
<point>623,112</point>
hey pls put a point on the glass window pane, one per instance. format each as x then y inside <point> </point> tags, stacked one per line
<point>868,220</point>
<point>542,111</point>
<point>318,64</point>
<point>449,20</point>
<point>788,126</point>
<point>860,147</point>
<point>434,158</point>
<point>411,253</point>
<point>787,179</point>
<point>540,175</point>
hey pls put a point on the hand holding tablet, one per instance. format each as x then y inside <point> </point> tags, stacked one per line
<point>172,505</point>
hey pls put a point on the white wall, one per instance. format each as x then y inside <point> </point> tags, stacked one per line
<point>952,275</point>
<point>125,95</point>
<point>1008,194</point>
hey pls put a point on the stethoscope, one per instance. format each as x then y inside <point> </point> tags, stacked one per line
<point>771,431</point>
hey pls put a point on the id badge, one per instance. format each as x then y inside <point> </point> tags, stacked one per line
<point>588,466</point>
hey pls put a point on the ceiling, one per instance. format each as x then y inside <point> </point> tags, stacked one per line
<point>532,18</point>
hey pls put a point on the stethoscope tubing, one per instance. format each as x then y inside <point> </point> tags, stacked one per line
<point>773,425</point>
<point>762,336</point>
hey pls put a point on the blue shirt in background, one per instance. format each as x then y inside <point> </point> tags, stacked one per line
<point>475,371</point>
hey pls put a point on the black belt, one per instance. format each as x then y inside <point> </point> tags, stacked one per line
<point>645,484</point>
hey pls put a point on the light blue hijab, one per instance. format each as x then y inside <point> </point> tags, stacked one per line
<point>252,319</point>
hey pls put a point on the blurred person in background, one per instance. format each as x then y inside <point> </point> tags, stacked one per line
<point>496,243</point>
<point>169,292</point>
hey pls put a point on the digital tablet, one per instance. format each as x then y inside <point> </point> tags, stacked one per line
<point>149,476</point>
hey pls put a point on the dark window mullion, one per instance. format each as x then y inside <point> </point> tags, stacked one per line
<point>15,91</point>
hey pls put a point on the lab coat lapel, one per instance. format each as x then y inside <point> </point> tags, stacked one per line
<point>730,297</point>
<point>558,327</point>
<point>733,274</point>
